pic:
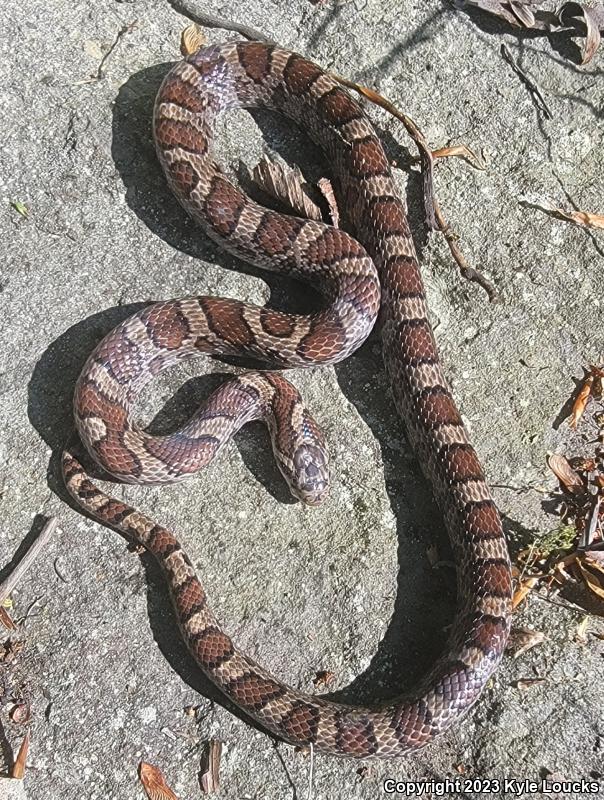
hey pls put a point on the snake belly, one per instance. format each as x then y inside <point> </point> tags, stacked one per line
<point>194,93</point>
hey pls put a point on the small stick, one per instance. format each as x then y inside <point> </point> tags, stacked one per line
<point>7,586</point>
<point>191,10</point>
<point>530,84</point>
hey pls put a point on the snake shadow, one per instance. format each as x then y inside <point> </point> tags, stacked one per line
<point>425,597</point>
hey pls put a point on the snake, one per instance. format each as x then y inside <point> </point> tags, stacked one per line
<point>371,271</point>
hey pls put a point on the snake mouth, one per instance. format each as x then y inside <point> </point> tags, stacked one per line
<point>313,494</point>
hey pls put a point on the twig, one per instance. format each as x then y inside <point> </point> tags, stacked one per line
<point>434,216</point>
<point>190,9</point>
<point>7,586</point>
<point>530,84</point>
<point>101,67</point>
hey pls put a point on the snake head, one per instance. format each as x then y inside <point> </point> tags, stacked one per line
<point>307,473</point>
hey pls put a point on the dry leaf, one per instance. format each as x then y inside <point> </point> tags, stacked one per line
<point>324,678</point>
<point>581,401</point>
<point>154,783</point>
<point>10,649</point>
<point>522,640</point>
<point>572,12</point>
<point>523,13</point>
<point>584,218</point>
<point>514,13</point>
<point>326,189</point>
<point>593,575</point>
<point>6,620</point>
<point>521,593</point>
<point>20,712</point>
<point>18,770</point>
<point>527,683</point>
<point>192,39</point>
<point>570,480</point>
<point>209,777</point>
<point>460,151</point>
<point>582,630</point>
<point>286,184</point>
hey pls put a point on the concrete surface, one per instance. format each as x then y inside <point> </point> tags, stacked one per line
<point>347,588</point>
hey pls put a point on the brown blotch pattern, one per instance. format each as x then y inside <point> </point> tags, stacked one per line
<point>355,737</point>
<point>172,133</point>
<point>435,407</point>
<point>301,723</point>
<point>486,630</point>
<point>388,217</point>
<point>182,178</point>
<point>461,461</point>
<point>223,206</point>
<point>491,577</point>
<point>336,107</point>
<point>366,158</point>
<point>276,323</point>
<point>189,599</point>
<point>212,647</point>
<point>225,319</point>
<point>402,277</point>
<point>276,233</point>
<point>255,58</point>
<point>300,74</point>
<point>415,339</point>
<point>333,245</point>
<point>167,325</point>
<point>482,518</point>
<point>254,691</point>
<point>323,342</point>
<point>182,93</point>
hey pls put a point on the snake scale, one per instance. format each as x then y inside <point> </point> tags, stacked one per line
<point>357,277</point>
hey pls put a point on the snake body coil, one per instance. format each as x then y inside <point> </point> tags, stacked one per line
<point>346,270</point>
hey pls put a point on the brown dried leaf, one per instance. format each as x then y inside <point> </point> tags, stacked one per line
<point>527,683</point>
<point>18,770</point>
<point>496,7</point>
<point>522,640</point>
<point>570,480</point>
<point>209,777</point>
<point>582,630</point>
<point>586,219</point>
<point>460,151</point>
<point>286,184</point>
<point>521,593</point>
<point>20,712</point>
<point>6,620</point>
<point>593,575</point>
<point>192,39</point>
<point>523,14</point>
<point>154,783</point>
<point>326,189</point>
<point>9,650</point>
<point>324,677</point>
<point>581,401</point>
<point>573,13</point>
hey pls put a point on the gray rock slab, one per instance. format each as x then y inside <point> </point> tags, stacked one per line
<point>348,587</point>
